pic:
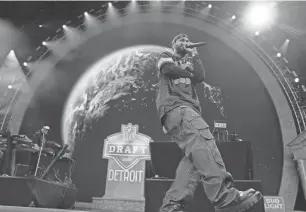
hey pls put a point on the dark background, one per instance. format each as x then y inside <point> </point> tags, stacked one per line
<point>248,107</point>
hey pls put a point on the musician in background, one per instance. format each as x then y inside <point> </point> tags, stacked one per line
<point>38,139</point>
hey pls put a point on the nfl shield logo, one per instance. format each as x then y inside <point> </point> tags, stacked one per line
<point>128,147</point>
<point>129,131</point>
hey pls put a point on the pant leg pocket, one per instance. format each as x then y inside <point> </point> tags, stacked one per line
<point>211,144</point>
<point>197,123</point>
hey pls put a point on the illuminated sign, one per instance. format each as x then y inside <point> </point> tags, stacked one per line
<point>127,153</point>
<point>220,124</point>
<point>273,204</point>
<point>128,147</point>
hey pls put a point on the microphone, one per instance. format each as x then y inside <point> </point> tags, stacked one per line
<point>193,45</point>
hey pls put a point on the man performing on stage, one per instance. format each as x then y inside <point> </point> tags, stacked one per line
<point>180,113</point>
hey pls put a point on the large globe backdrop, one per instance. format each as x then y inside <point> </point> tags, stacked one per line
<point>111,80</point>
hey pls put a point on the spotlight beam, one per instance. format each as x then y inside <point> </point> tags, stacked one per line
<point>132,8</point>
<point>112,15</point>
<point>93,26</point>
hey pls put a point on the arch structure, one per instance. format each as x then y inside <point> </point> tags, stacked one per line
<point>289,181</point>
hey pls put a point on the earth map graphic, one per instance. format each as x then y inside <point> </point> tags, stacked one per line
<point>112,83</point>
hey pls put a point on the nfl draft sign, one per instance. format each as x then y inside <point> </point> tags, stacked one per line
<point>126,152</point>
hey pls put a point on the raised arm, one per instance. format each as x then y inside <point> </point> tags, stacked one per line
<point>199,70</point>
<point>167,66</point>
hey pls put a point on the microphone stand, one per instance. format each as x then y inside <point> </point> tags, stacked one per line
<point>39,156</point>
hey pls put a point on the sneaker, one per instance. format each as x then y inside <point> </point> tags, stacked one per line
<point>243,201</point>
<point>32,204</point>
<point>173,206</point>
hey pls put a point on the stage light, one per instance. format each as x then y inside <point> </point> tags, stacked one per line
<point>257,33</point>
<point>40,26</point>
<point>64,26</point>
<point>259,15</point>
<point>44,43</point>
<point>296,79</point>
<point>25,63</point>
<point>287,40</point>
<point>85,13</point>
<point>233,17</point>
<point>278,54</point>
<point>109,4</point>
<point>209,6</point>
<point>9,86</point>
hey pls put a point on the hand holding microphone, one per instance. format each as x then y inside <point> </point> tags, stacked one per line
<point>187,66</point>
<point>191,48</point>
<point>193,52</point>
<point>194,45</point>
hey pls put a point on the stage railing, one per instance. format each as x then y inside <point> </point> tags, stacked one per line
<point>194,10</point>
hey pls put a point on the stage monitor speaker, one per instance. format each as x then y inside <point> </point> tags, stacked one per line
<point>48,194</point>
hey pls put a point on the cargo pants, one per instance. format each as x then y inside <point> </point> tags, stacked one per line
<point>202,162</point>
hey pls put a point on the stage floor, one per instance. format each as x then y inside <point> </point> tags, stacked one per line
<point>33,209</point>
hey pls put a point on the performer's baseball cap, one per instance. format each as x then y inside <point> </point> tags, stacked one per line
<point>178,37</point>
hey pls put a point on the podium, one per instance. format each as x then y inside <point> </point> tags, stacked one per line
<point>126,153</point>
